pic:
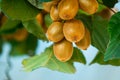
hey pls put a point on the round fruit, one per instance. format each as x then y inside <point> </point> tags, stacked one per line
<point>39,18</point>
<point>89,6</point>
<point>68,9</point>
<point>73,30</point>
<point>85,42</point>
<point>20,34</point>
<point>47,5</point>
<point>55,32</point>
<point>54,13</point>
<point>63,50</point>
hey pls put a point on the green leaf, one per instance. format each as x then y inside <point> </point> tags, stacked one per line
<point>100,60</point>
<point>0,5</point>
<point>36,3</point>
<point>110,3</point>
<point>21,10</point>
<point>100,37</point>
<point>113,26</point>
<point>48,20</point>
<point>44,0</point>
<point>26,47</point>
<point>78,56</point>
<point>9,26</point>
<point>113,49</point>
<point>100,1</point>
<point>35,28</point>
<point>47,59</point>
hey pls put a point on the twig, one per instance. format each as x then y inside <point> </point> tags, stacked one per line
<point>7,71</point>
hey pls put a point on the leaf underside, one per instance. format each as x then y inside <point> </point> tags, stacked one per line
<point>47,59</point>
<point>113,49</point>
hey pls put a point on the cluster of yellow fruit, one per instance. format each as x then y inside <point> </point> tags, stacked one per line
<point>65,30</point>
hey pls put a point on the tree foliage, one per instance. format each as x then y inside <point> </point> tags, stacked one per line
<point>20,28</point>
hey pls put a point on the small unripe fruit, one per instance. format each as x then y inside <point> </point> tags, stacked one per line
<point>54,14</point>
<point>73,30</point>
<point>20,34</point>
<point>68,9</point>
<point>85,42</point>
<point>89,6</point>
<point>63,50</point>
<point>47,5</point>
<point>55,32</point>
<point>39,18</point>
<point>40,21</point>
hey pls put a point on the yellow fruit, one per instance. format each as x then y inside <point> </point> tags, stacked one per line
<point>54,14</point>
<point>55,32</point>
<point>20,34</point>
<point>73,30</point>
<point>89,6</point>
<point>47,5</point>
<point>68,9</point>
<point>85,42</point>
<point>63,50</point>
<point>39,18</point>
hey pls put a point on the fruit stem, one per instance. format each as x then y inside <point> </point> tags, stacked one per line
<point>112,10</point>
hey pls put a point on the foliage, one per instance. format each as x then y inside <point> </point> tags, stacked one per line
<point>104,31</point>
<point>27,46</point>
<point>99,58</point>
<point>47,59</point>
<point>36,30</point>
<point>110,3</point>
<point>113,49</point>
<point>21,10</point>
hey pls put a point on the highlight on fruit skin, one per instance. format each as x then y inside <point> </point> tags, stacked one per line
<point>54,14</point>
<point>55,32</point>
<point>63,50</point>
<point>89,6</point>
<point>68,9</point>
<point>73,30</point>
<point>85,42</point>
